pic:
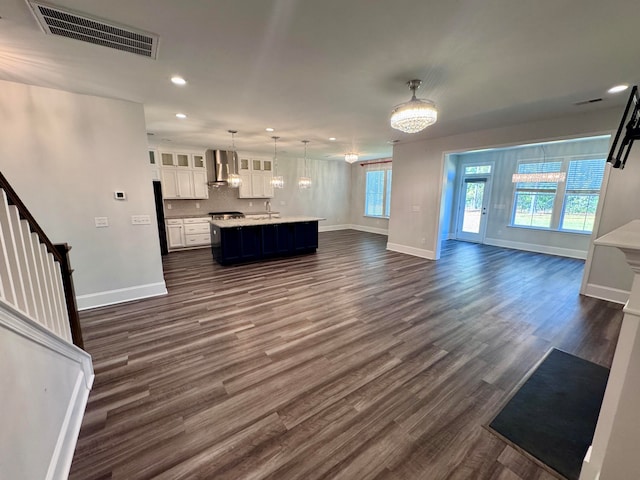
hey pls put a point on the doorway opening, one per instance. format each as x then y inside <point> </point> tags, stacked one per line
<point>473,202</point>
<point>540,197</point>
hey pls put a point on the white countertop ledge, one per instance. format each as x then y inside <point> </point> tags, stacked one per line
<point>248,222</point>
<point>625,237</point>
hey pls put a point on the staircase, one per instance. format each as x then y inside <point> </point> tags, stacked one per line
<point>45,375</point>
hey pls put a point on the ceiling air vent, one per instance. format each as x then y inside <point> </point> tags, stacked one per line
<point>587,102</point>
<point>66,23</point>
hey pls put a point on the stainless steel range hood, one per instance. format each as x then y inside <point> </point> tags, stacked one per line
<point>220,163</point>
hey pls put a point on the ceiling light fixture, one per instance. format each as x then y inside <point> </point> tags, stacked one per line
<point>351,157</point>
<point>416,114</point>
<point>304,182</point>
<point>332,139</point>
<point>181,116</point>
<point>618,89</point>
<point>277,181</point>
<point>234,180</point>
<point>176,80</point>
<point>539,177</point>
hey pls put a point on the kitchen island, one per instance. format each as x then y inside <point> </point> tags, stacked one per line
<point>241,240</point>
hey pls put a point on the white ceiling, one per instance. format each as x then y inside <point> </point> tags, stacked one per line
<point>313,69</point>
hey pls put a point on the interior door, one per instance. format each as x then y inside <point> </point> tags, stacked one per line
<point>473,205</point>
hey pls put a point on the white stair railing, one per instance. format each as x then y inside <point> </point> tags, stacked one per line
<point>31,278</point>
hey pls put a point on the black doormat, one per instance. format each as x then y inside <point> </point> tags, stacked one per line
<point>553,415</point>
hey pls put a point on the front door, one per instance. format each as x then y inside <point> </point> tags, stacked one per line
<point>473,205</point>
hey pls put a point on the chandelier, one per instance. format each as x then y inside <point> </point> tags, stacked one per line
<point>234,180</point>
<point>539,177</point>
<point>277,181</point>
<point>351,157</point>
<point>304,182</point>
<point>416,114</point>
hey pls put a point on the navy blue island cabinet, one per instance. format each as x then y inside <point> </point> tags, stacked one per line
<point>238,241</point>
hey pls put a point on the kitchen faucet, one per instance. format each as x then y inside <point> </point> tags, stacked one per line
<point>268,205</point>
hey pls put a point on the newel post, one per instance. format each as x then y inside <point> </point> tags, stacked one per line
<point>70,294</point>
<point>614,451</point>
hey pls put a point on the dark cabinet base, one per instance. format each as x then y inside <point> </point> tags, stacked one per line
<point>257,242</point>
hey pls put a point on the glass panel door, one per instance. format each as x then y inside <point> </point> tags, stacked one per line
<point>473,203</point>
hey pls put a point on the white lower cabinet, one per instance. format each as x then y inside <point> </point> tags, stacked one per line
<point>175,233</point>
<point>188,232</point>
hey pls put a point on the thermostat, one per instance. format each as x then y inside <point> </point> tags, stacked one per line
<point>119,195</point>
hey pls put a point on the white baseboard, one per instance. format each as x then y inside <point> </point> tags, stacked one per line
<point>531,247</point>
<point>55,378</point>
<point>363,228</point>
<point>609,294</point>
<point>333,228</point>
<point>121,295</point>
<point>416,252</point>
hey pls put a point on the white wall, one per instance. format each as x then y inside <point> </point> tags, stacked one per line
<point>449,195</point>
<point>607,274</point>
<point>419,171</point>
<point>65,154</point>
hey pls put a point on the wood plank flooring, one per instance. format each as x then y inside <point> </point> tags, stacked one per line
<point>353,363</point>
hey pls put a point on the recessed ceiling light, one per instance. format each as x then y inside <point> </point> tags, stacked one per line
<point>618,89</point>
<point>269,129</point>
<point>181,116</point>
<point>333,139</point>
<point>176,80</point>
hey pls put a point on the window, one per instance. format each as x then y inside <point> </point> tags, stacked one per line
<point>533,203</point>
<point>473,169</point>
<point>567,206</point>
<point>378,193</point>
<point>582,194</point>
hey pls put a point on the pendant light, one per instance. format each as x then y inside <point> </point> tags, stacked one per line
<point>277,181</point>
<point>304,182</point>
<point>416,114</point>
<point>351,157</point>
<point>234,180</point>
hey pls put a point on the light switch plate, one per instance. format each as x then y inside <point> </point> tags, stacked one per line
<point>101,222</point>
<point>140,220</point>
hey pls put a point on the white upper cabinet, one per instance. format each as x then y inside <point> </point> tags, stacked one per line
<point>154,164</point>
<point>256,178</point>
<point>200,187</point>
<point>183,176</point>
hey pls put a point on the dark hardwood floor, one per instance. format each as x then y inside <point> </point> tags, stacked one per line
<point>353,363</point>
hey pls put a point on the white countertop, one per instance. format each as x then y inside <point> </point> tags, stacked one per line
<point>627,237</point>
<point>247,222</point>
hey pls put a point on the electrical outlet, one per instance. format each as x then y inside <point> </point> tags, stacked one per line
<point>101,222</point>
<point>251,204</point>
<point>197,204</point>
<point>169,206</point>
<point>140,220</point>
<point>415,208</point>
